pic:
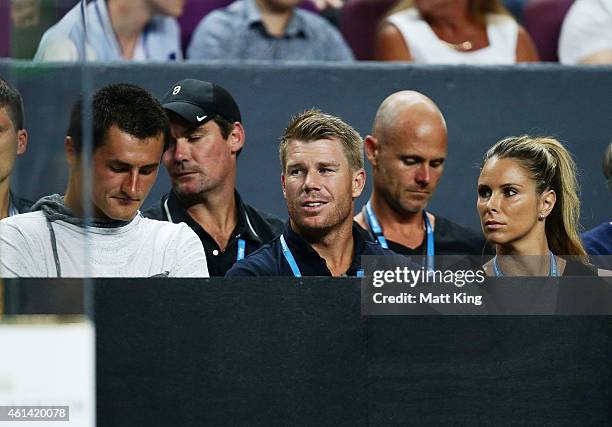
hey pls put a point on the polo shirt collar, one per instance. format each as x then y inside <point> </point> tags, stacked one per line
<point>244,226</point>
<point>295,28</point>
<point>305,252</point>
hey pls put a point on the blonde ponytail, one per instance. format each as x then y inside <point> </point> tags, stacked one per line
<point>552,168</point>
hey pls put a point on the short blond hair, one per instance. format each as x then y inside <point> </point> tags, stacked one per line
<point>312,125</point>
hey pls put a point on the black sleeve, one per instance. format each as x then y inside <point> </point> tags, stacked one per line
<point>251,267</point>
<point>277,225</point>
<point>155,212</point>
<point>259,263</point>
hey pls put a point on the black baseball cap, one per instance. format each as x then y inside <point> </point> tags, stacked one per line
<point>198,101</point>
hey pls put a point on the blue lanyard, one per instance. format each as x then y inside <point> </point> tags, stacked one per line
<point>289,257</point>
<point>241,249</point>
<point>375,226</point>
<point>377,230</point>
<point>241,243</point>
<point>552,271</point>
<point>291,260</point>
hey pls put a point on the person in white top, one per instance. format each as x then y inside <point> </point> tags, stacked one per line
<point>98,231</point>
<point>453,32</point>
<point>586,34</point>
<point>115,30</point>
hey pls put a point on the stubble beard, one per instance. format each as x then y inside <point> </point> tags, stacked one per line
<point>333,220</point>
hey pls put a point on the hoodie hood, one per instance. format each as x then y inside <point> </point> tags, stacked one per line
<point>54,209</point>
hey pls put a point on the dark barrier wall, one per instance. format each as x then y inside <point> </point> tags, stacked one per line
<point>481,105</point>
<point>298,352</point>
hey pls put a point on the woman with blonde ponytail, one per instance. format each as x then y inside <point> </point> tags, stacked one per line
<point>529,208</point>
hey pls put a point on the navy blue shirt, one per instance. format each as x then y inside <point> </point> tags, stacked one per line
<point>598,242</point>
<point>270,261</point>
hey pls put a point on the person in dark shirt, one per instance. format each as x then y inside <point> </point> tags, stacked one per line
<point>322,175</point>
<point>207,136</point>
<point>598,241</point>
<point>13,143</point>
<point>407,151</point>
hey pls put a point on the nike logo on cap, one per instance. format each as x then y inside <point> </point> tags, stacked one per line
<point>200,118</point>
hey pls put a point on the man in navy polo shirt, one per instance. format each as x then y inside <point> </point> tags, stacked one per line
<point>322,175</point>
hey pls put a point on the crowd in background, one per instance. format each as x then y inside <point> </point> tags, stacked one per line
<point>423,31</point>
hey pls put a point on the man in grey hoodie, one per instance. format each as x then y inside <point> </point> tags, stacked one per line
<point>97,230</point>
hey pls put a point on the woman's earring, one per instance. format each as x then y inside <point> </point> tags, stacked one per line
<point>541,217</point>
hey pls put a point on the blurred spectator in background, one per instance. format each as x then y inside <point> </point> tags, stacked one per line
<point>115,30</point>
<point>267,30</point>
<point>453,32</point>
<point>586,35</point>
<point>598,241</point>
<point>23,22</point>
<point>13,142</point>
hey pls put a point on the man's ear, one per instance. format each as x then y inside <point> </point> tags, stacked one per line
<point>71,153</point>
<point>371,149</point>
<point>359,180</point>
<point>237,138</point>
<point>283,185</point>
<point>547,202</point>
<point>22,141</point>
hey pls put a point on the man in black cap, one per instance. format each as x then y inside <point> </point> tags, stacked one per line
<point>207,136</point>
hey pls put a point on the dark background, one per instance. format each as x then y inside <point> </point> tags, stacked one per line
<point>481,106</point>
<point>284,351</point>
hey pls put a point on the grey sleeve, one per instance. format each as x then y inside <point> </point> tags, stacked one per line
<point>211,38</point>
<point>338,49</point>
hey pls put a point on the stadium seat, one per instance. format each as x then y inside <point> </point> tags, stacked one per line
<point>359,21</point>
<point>543,20</point>
<point>193,13</point>
<point>5,29</point>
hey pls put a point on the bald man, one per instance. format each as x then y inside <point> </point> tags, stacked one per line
<point>407,151</point>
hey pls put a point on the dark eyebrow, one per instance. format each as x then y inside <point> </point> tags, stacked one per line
<point>119,163</point>
<point>510,185</point>
<point>420,158</point>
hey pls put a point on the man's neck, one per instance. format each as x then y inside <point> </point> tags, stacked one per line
<point>275,20</point>
<point>335,247</point>
<point>405,228</point>
<point>217,213</point>
<point>128,19</point>
<point>5,186</point>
